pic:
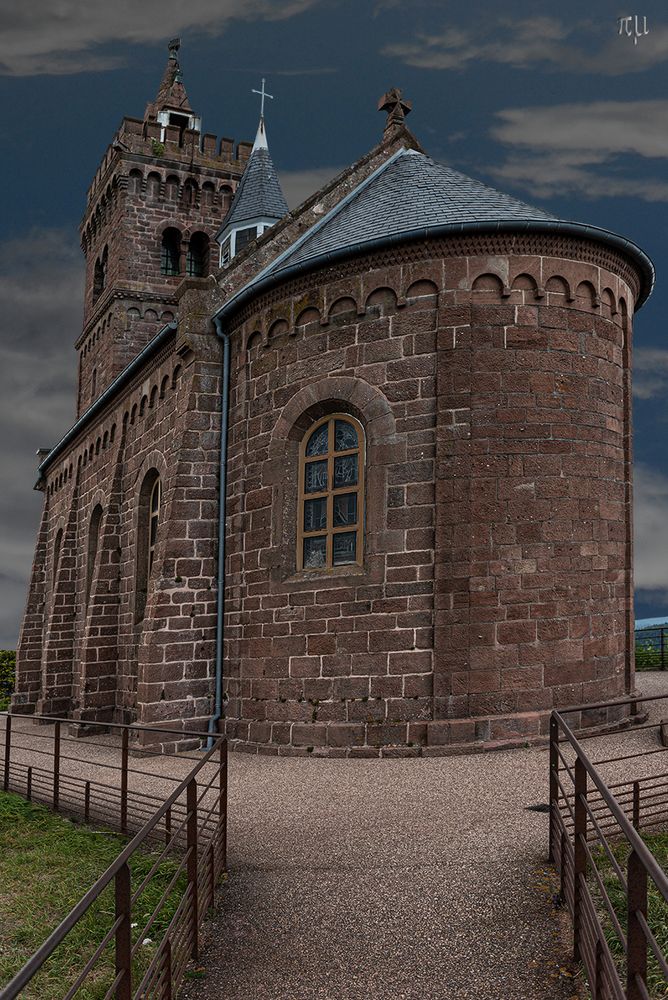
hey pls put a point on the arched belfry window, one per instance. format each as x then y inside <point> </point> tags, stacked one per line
<point>170,252</point>
<point>100,273</point>
<point>330,528</point>
<point>197,258</point>
<point>150,504</point>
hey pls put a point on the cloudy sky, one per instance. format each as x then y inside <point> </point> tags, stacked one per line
<point>545,101</point>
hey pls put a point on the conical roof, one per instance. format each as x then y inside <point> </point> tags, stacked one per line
<point>259,195</point>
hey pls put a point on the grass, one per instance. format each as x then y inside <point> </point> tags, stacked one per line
<point>657,908</point>
<point>47,863</point>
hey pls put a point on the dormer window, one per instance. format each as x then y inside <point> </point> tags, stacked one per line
<point>244,237</point>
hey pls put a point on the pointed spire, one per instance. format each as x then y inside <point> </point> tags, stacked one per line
<point>260,138</point>
<point>171,92</point>
<point>258,201</point>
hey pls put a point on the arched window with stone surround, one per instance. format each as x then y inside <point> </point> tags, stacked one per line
<point>150,504</point>
<point>93,546</point>
<point>330,526</point>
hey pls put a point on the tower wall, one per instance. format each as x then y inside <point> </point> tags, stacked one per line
<point>145,185</point>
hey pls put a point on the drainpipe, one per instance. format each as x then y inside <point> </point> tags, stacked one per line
<point>220,610</point>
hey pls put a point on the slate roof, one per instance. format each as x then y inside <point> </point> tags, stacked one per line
<point>412,196</point>
<point>413,191</point>
<point>259,193</point>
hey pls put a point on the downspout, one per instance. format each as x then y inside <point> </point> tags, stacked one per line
<point>222,519</point>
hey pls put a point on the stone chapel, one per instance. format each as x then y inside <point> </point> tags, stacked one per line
<point>352,479</point>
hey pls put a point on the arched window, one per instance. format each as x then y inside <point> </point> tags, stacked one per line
<point>330,528</point>
<point>93,384</point>
<point>93,545</point>
<point>150,502</point>
<point>197,258</point>
<point>170,257</point>
<point>57,545</point>
<point>100,273</point>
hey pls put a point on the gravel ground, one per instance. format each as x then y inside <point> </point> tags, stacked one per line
<point>389,879</point>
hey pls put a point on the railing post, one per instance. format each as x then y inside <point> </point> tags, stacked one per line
<point>191,827</point>
<point>168,993</point>
<point>87,802</point>
<point>554,787</point>
<point>123,942</point>
<point>636,805</point>
<point>29,785</point>
<point>222,801</point>
<point>168,825</point>
<point>8,751</point>
<point>212,865</point>
<point>124,781</point>
<point>56,767</point>
<point>636,942</point>
<point>580,851</point>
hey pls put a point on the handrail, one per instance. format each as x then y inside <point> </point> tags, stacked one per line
<point>651,865</point>
<point>54,939</point>
<point>133,726</point>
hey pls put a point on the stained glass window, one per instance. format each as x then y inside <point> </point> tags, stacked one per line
<point>331,494</point>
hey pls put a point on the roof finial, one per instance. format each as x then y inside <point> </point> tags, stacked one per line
<point>174,47</point>
<point>263,93</point>
<point>261,137</point>
<point>396,108</point>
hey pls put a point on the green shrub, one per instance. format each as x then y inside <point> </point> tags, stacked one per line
<point>648,657</point>
<point>7,676</point>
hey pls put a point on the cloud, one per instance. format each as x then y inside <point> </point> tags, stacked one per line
<point>650,373</point>
<point>584,46</point>
<point>41,295</point>
<point>651,539</point>
<point>584,149</point>
<point>298,185</point>
<point>58,38</point>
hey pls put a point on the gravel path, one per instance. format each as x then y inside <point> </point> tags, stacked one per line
<point>420,879</point>
<point>392,880</point>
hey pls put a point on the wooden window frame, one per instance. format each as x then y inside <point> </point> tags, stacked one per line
<point>330,530</point>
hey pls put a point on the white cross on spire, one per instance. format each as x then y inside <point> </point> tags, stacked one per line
<point>263,93</point>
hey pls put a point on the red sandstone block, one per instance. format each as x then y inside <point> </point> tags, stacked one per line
<point>410,662</point>
<point>516,632</point>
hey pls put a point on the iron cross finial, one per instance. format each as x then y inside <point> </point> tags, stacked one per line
<point>263,93</point>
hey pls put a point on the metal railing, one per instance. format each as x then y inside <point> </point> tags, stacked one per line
<point>613,886</point>
<point>651,648</point>
<point>189,824</point>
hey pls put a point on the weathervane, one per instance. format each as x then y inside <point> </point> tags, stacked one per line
<point>263,93</point>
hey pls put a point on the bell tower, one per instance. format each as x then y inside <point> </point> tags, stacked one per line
<point>158,198</point>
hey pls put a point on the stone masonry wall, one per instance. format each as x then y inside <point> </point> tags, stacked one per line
<point>494,392</point>
<point>99,658</point>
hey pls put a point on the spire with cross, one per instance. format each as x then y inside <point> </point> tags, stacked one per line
<point>261,137</point>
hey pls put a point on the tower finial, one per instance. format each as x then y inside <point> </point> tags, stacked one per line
<point>174,45</point>
<point>263,93</point>
<point>396,108</point>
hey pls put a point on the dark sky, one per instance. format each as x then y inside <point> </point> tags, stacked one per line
<point>545,101</point>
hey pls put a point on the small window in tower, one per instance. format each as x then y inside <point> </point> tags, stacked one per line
<point>100,274</point>
<point>170,256</point>
<point>244,237</point>
<point>197,259</point>
<point>183,121</point>
<point>150,502</point>
<point>93,384</point>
